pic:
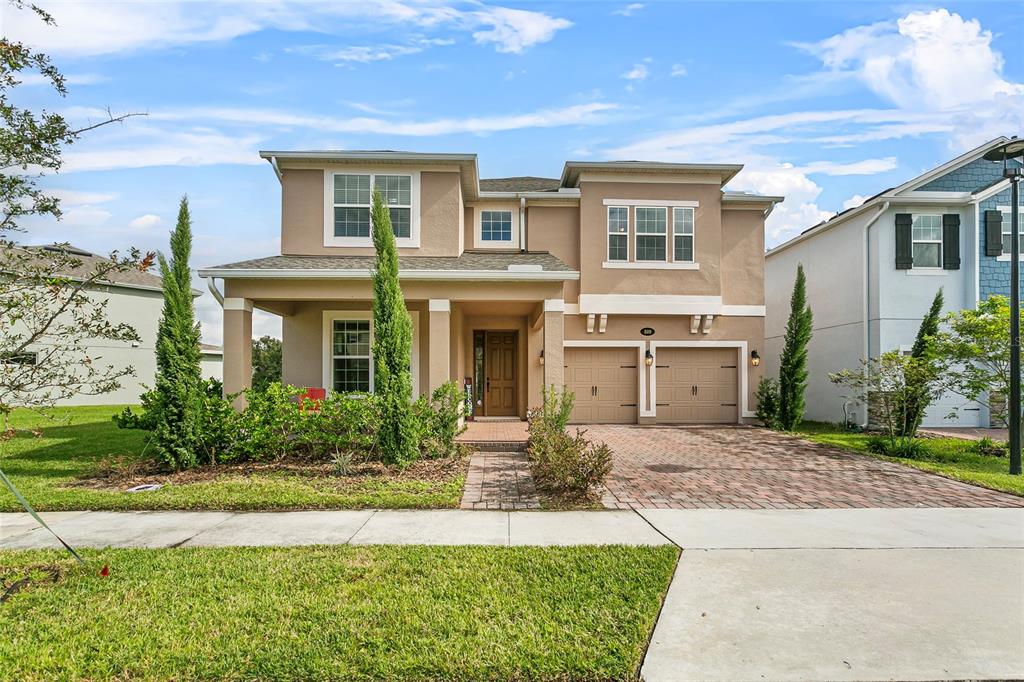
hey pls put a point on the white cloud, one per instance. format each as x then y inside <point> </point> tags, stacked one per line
<point>677,71</point>
<point>865,167</point>
<point>854,201</point>
<point>545,118</point>
<point>85,216</point>
<point>364,54</point>
<point>515,30</point>
<point>629,10</point>
<point>148,221</point>
<point>637,73</point>
<point>931,61</point>
<point>88,28</point>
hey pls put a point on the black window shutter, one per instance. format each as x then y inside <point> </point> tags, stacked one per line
<point>993,233</point>
<point>951,241</point>
<point>904,242</point>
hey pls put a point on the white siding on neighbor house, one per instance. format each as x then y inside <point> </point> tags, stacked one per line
<point>902,297</point>
<point>212,366</point>
<point>833,263</point>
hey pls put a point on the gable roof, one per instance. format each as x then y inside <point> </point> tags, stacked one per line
<point>898,194</point>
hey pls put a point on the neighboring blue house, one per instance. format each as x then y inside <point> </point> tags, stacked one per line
<point>873,270</point>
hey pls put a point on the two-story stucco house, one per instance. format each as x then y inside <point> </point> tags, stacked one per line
<point>873,270</point>
<point>639,286</point>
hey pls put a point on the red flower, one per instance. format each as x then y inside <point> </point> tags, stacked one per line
<point>105,571</point>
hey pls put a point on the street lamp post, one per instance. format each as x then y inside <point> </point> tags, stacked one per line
<point>1014,149</point>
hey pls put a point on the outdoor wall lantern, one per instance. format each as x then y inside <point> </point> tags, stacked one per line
<point>542,356</point>
<point>648,358</point>
<point>755,359</point>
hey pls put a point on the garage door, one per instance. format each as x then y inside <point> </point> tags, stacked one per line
<point>604,381</point>
<point>696,385</point>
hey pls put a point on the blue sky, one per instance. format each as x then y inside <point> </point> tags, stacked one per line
<point>823,102</point>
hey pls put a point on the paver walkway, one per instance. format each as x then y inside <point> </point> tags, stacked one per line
<point>499,480</point>
<point>734,467</point>
<point>966,432</point>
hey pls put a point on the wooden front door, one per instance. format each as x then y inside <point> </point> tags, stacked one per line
<point>500,390</point>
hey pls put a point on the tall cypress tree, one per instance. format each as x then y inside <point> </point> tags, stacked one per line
<point>398,435</point>
<point>178,390</point>
<point>793,362</point>
<point>913,411</point>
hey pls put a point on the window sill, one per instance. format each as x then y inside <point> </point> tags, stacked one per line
<point>1005,258</point>
<point>367,242</point>
<point>648,265</point>
<point>928,272</point>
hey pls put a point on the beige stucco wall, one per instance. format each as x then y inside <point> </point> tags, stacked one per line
<point>298,290</point>
<point>556,229</point>
<point>743,257</point>
<point>303,206</point>
<point>594,240</point>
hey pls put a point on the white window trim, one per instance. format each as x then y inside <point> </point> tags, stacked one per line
<point>328,349</point>
<point>1007,226</point>
<point>649,265</point>
<point>651,203</point>
<point>412,241</point>
<point>692,235</point>
<point>478,214</point>
<point>926,268</point>
<point>609,233</point>
<point>637,235</point>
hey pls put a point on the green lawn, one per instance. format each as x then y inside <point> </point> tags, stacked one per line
<point>72,447</point>
<point>950,457</point>
<point>362,613</point>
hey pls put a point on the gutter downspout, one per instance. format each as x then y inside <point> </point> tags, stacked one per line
<point>211,284</point>
<point>522,223</point>
<point>866,302</point>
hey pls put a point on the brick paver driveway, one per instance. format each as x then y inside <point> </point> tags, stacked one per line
<point>752,468</point>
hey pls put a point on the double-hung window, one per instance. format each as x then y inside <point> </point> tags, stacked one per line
<point>1008,229</point>
<point>682,235</point>
<point>496,226</point>
<point>927,240</point>
<point>353,194</point>
<point>618,233</point>
<point>651,233</point>
<point>350,356</point>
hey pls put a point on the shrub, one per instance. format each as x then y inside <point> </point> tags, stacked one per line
<point>440,420</point>
<point>567,465</point>
<point>907,448</point>
<point>267,427</point>
<point>989,448</point>
<point>767,397</point>
<point>341,423</point>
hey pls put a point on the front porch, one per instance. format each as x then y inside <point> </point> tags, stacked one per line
<point>501,344</point>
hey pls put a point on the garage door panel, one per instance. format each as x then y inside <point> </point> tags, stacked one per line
<point>614,372</point>
<point>714,373</point>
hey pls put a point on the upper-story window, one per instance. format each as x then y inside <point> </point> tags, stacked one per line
<point>651,233</point>
<point>682,234</point>
<point>618,233</point>
<point>1007,227</point>
<point>496,226</point>
<point>926,231</point>
<point>349,207</point>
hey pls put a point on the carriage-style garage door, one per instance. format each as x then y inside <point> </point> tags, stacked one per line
<point>604,381</point>
<point>696,385</point>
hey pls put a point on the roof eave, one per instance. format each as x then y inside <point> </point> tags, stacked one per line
<point>365,273</point>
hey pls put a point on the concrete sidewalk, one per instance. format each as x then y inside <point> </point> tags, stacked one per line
<point>830,594</point>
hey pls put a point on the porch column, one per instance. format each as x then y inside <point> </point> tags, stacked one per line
<point>554,364</point>
<point>237,346</point>
<point>440,310</point>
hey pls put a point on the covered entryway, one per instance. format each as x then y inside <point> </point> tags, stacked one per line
<point>501,386</point>
<point>605,383</point>
<point>697,386</point>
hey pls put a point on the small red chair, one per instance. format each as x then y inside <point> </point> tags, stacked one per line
<point>311,398</point>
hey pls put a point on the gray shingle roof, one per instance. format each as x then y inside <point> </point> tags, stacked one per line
<point>520,184</point>
<point>468,261</point>
<point>89,261</point>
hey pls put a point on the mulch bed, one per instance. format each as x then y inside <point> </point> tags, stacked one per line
<point>120,474</point>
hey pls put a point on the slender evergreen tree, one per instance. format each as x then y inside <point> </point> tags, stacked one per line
<point>178,392</point>
<point>793,362</point>
<point>398,435</point>
<point>919,398</point>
